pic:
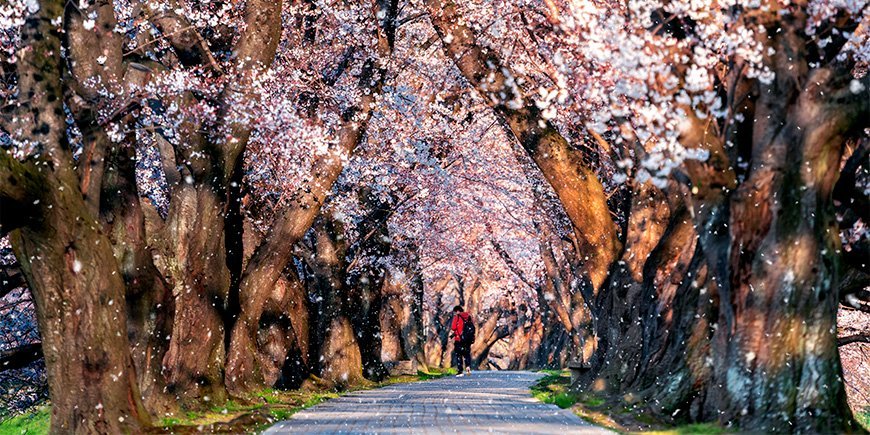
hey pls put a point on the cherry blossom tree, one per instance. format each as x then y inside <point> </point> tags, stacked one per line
<point>666,194</point>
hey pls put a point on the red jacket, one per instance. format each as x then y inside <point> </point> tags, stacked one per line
<point>457,325</point>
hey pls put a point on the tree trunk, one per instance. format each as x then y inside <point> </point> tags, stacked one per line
<point>621,303</point>
<point>339,358</point>
<point>520,339</point>
<point>297,362</point>
<point>194,247</point>
<point>196,263</point>
<point>148,297</point>
<point>439,300</point>
<point>79,296</point>
<point>366,280</point>
<point>392,315</point>
<point>282,340</point>
<point>400,317</point>
<point>777,346</point>
<point>292,222</point>
<point>67,261</point>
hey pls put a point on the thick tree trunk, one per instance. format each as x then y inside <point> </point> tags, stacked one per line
<point>365,317</point>
<point>339,359</point>
<point>196,264</point>
<point>79,296</point>
<point>194,252</point>
<point>536,336</point>
<point>297,362</point>
<point>282,340</point>
<point>520,339</point>
<point>665,358</point>
<point>439,300</point>
<point>293,221</point>
<point>675,369</point>
<point>148,296</point>
<point>393,314</point>
<point>621,303</point>
<point>777,346</point>
<point>401,317</point>
<point>68,262</point>
<point>366,280</point>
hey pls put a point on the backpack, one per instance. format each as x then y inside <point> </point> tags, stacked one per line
<point>468,331</point>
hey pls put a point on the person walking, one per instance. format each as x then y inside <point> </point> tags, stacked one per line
<point>463,335</point>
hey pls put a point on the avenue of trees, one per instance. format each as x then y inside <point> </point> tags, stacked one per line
<point>205,199</point>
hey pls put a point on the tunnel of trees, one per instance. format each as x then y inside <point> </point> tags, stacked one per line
<point>203,199</point>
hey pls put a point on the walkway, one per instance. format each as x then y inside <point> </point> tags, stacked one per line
<point>485,402</point>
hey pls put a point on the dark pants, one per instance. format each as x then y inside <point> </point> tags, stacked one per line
<point>461,355</point>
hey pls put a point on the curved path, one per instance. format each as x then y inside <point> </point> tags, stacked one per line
<point>485,402</point>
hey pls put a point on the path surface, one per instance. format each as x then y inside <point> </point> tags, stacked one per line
<point>496,402</point>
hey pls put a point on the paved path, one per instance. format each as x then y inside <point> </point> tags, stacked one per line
<point>485,402</point>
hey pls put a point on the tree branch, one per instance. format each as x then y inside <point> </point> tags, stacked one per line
<point>856,338</point>
<point>253,54</point>
<point>190,47</point>
<point>96,51</point>
<point>20,356</point>
<point>510,262</point>
<point>577,186</point>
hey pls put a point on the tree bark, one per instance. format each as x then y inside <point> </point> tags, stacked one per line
<point>196,262</point>
<point>340,361</point>
<point>194,250</point>
<point>68,262</point>
<point>401,318</point>
<point>621,303</point>
<point>778,344</point>
<point>272,256</point>
<point>148,297</point>
<point>282,339</point>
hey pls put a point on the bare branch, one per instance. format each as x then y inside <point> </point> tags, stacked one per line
<point>189,45</point>
<point>857,338</point>
<point>20,356</point>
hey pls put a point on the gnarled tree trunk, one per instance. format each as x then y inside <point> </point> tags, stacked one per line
<point>339,358</point>
<point>778,337</point>
<point>292,222</point>
<point>67,260</point>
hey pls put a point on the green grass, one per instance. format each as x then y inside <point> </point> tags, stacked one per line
<point>318,398</point>
<point>863,418</point>
<point>36,422</point>
<point>233,406</point>
<point>553,389</point>
<point>269,395</point>
<point>692,429</point>
<point>170,421</point>
<point>283,414</point>
<point>435,373</point>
